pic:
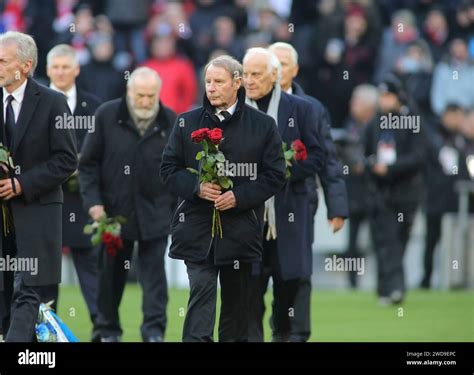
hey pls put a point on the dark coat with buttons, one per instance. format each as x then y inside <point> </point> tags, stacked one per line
<point>250,136</point>
<point>45,156</point>
<point>74,215</point>
<point>119,169</point>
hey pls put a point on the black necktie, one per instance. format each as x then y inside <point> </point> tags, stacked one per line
<point>225,114</point>
<point>9,122</point>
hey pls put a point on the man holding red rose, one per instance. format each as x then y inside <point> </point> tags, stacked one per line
<point>119,175</point>
<point>246,136</point>
<point>288,230</point>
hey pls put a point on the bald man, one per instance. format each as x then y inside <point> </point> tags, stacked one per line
<point>119,175</point>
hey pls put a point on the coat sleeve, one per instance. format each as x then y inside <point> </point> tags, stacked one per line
<point>90,164</point>
<point>62,162</point>
<point>314,142</point>
<point>179,181</point>
<point>271,176</point>
<point>332,181</point>
<point>411,161</point>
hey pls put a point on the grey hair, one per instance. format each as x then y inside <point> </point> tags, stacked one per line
<point>26,47</point>
<point>368,93</point>
<point>228,63</point>
<point>404,16</point>
<point>143,72</point>
<point>272,60</point>
<point>287,47</point>
<point>61,50</point>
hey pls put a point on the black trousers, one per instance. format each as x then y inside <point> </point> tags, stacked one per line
<point>237,282</point>
<point>152,278</point>
<point>390,229</point>
<point>284,294</point>
<point>301,321</point>
<point>356,219</point>
<point>20,302</point>
<point>433,235</point>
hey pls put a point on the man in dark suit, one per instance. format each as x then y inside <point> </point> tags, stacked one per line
<point>44,153</point>
<point>251,138</point>
<point>331,179</point>
<point>119,175</point>
<point>63,69</point>
<point>288,232</point>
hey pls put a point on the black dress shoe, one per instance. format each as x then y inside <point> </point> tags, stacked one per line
<point>95,337</point>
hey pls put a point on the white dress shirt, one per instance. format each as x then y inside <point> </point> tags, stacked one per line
<point>71,96</point>
<point>18,96</point>
<point>231,110</point>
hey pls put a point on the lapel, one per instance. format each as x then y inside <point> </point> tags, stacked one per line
<point>28,106</point>
<point>2,127</point>
<point>284,113</point>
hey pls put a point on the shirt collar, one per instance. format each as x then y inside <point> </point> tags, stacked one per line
<point>231,109</point>
<point>290,90</point>
<point>70,94</point>
<point>18,94</point>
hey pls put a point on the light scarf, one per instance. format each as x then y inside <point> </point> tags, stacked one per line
<point>269,215</point>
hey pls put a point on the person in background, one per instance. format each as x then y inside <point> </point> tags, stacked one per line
<point>394,160</point>
<point>179,80</point>
<point>119,175</point>
<point>331,180</point>
<point>63,69</point>
<point>363,107</point>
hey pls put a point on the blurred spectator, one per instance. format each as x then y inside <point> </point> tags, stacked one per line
<point>347,63</point>
<point>129,19</point>
<point>453,79</point>
<point>79,33</point>
<point>179,80</point>
<point>444,166</point>
<point>464,20</point>
<point>100,76</point>
<point>436,33</point>
<point>415,68</point>
<point>11,16</point>
<point>395,41</point>
<point>224,37</point>
<point>363,107</point>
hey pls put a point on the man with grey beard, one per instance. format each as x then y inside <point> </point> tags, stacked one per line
<point>119,175</point>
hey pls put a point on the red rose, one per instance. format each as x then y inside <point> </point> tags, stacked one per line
<point>300,150</point>
<point>118,242</point>
<point>215,135</point>
<point>298,146</point>
<point>107,238</point>
<point>199,135</point>
<point>301,155</point>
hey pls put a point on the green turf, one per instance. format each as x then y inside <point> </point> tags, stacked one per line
<point>343,316</point>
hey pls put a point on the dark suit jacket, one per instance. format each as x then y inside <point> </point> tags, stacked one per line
<point>120,169</point>
<point>250,136</point>
<point>331,178</point>
<point>45,155</point>
<point>73,234</point>
<point>296,120</point>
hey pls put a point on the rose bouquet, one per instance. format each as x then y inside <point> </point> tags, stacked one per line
<point>297,152</point>
<point>211,160</point>
<point>107,231</point>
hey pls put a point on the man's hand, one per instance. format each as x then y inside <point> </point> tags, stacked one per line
<point>336,223</point>
<point>380,169</point>
<point>96,212</point>
<point>225,201</point>
<point>6,188</point>
<point>209,191</point>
